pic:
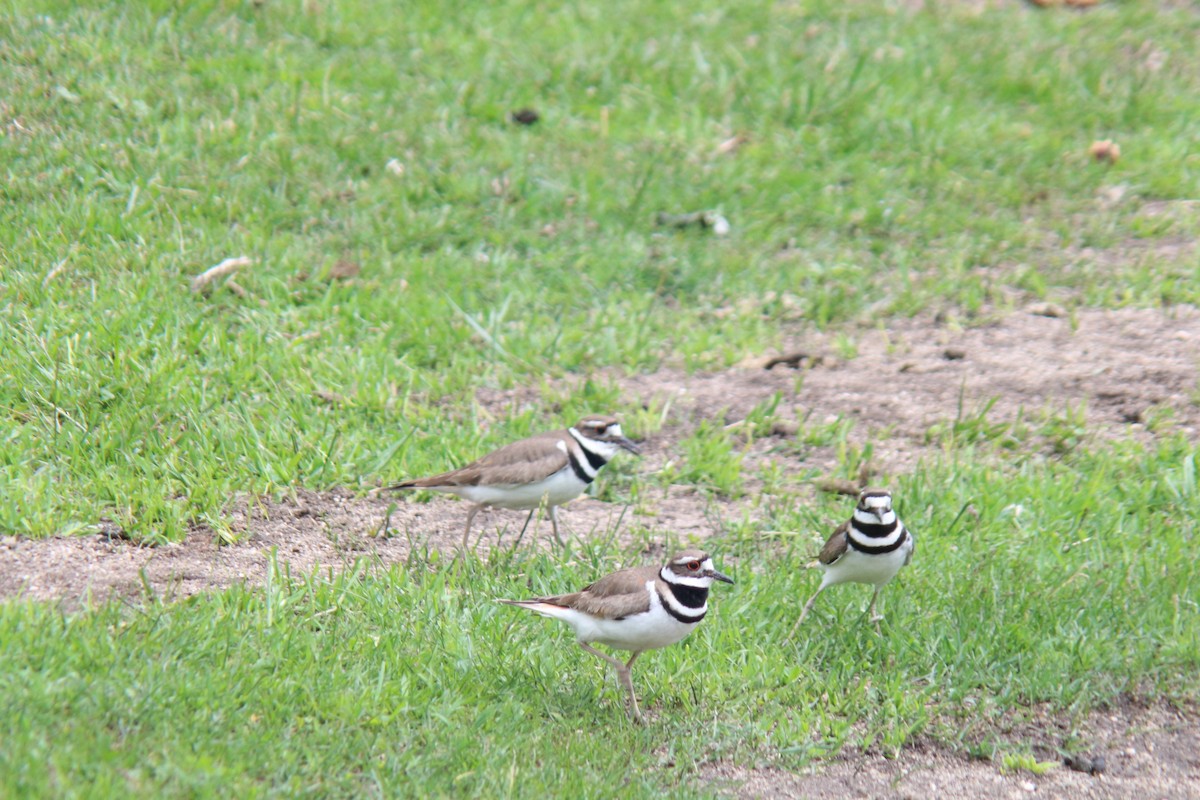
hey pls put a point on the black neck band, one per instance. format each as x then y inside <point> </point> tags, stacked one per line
<point>577,468</point>
<point>684,618</point>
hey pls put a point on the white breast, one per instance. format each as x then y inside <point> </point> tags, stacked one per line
<point>856,567</point>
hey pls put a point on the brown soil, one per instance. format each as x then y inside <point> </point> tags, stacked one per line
<point>1146,753</point>
<point>308,531</point>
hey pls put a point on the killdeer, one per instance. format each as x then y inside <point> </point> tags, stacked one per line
<point>870,547</point>
<point>549,468</point>
<point>636,609</point>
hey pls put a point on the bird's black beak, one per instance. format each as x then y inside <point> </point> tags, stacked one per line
<point>720,576</point>
<point>627,444</point>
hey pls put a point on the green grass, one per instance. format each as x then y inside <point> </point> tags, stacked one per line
<point>895,162</point>
<point>1066,582</point>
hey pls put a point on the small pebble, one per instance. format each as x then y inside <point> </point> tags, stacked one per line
<point>1081,763</point>
<point>1047,310</point>
<point>784,428</point>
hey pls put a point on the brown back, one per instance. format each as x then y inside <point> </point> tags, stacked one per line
<point>614,596</point>
<point>522,462</point>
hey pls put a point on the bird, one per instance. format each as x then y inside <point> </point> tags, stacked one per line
<point>870,547</point>
<point>550,468</point>
<point>636,609</point>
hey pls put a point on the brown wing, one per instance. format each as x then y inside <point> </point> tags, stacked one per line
<point>521,462</point>
<point>835,545</point>
<point>614,596</point>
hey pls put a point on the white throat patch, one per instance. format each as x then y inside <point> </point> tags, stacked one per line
<point>867,518</point>
<point>605,450</point>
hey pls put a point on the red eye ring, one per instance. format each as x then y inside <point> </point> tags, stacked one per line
<point>694,566</point>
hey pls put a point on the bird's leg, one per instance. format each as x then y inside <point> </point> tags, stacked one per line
<point>873,615</point>
<point>467,531</point>
<point>525,526</point>
<point>618,664</point>
<point>554,523</point>
<point>622,675</point>
<point>807,608</point>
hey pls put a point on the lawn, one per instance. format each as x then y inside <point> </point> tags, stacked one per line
<point>411,247</point>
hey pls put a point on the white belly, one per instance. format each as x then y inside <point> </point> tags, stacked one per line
<point>647,631</point>
<point>554,491</point>
<point>856,567</point>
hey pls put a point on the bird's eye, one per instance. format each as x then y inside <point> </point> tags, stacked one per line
<point>694,565</point>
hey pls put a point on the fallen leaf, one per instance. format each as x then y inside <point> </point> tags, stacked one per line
<point>1047,310</point>
<point>732,144</point>
<point>344,269</point>
<point>332,398</point>
<point>227,267</point>
<point>838,486</point>
<point>1105,150</point>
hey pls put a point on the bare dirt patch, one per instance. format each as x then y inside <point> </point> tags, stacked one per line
<point>309,531</point>
<point>1147,752</point>
<point>1127,367</point>
<point>1119,369</point>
